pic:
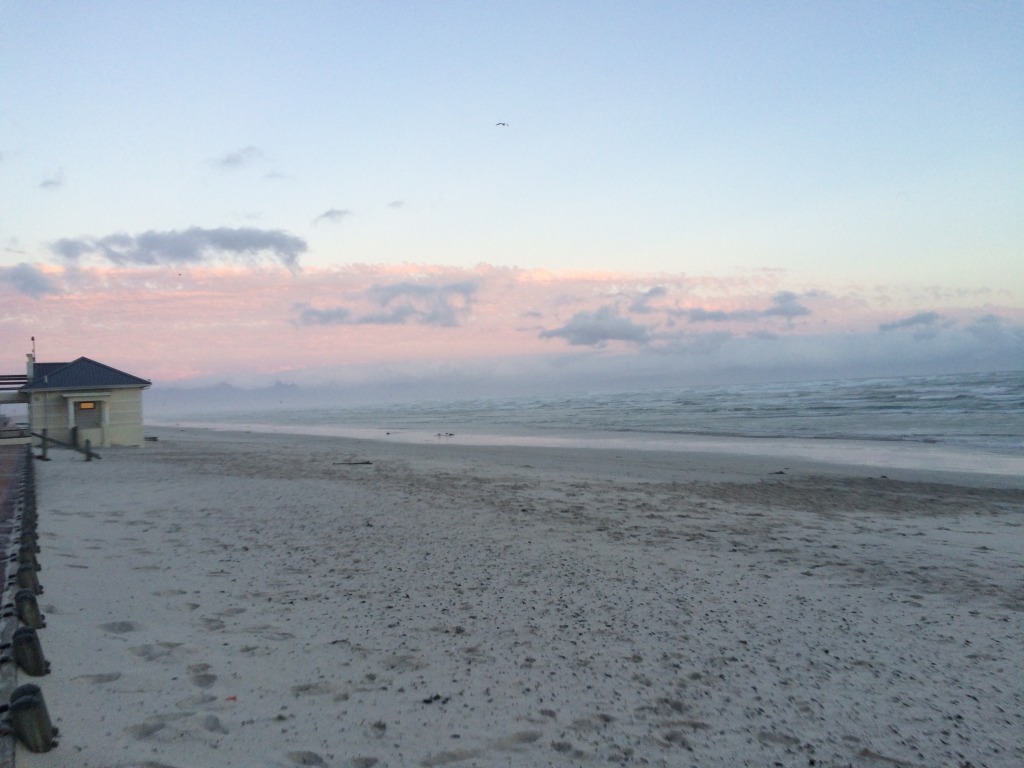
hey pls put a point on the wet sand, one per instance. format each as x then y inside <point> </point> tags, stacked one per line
<point>228,599</point>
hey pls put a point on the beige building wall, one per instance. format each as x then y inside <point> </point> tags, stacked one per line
<point>123,425</point>
<point>114,420</point>
<point>48,410</point>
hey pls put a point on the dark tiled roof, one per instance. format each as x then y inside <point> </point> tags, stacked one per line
<point>83,373</point>
<point>41,370</point>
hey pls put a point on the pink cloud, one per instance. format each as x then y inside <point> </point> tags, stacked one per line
<point>224,321</point>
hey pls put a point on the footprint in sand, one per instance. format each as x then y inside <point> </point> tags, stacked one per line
<point>200,677</point>
<point>446,758</point>
<point>269,632</point>
<point>517,740</point>
<point>203,680</point>
<point>153,652</point>
<point>213,724</point>
<point>103,677</point>
<point>144,730</point>
<point>199,700</point>
<point>314,689</point>
<point>306,758</point>
<point>153,725</point>
<point>405,662</point>
<point>120,627</point>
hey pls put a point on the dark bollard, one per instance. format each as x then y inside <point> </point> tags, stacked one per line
<point>30,719</point>
<point>28,609</point>
<point>28,689</point>
<point>27,578</point>
<point>27,652</point>
<point>88,449</point>
<point>30,485</point>
<point>29,518</point>
<point>27,554</point>
<point>28,539</point>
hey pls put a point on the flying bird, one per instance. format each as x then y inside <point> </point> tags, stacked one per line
<point>505,124</point>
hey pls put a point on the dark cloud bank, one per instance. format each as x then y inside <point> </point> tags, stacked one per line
<point>784,304</point>
<point>189,246</point>
<point>607,324</point>
<point>443,306</point>
<point>28,280</point>
<point>708,357</point>
<point>597,328</point>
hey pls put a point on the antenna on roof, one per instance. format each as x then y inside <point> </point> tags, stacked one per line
<point>33,346</point>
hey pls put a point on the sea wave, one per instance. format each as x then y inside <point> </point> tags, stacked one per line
<point>971,412</point>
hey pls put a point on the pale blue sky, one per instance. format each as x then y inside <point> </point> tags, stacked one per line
<point>859,163</point>
<point>862,140</point>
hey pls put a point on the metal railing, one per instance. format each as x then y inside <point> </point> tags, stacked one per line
<point>12,381</point>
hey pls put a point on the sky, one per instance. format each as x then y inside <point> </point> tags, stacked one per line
<point>512,195</point>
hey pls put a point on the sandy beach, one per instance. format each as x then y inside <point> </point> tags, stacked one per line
<point>221,599</point>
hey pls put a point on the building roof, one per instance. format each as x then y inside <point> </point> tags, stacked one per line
<point>82,373</point>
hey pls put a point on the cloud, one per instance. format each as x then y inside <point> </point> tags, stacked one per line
<point>242,157</point>
<point>926,325</point>
<point>785,304</point>
<point>72,249</point>
<point>597,328</point>
<point>993,330</point>
<point>310,315</point>
<point>639,305</point>
<point>190,246</point>
<point>28,280</point>
<point>324,323</point>
<point>54,182</point>
<point>14,246</point>
<point>921,319</point>
<point>333,215</point>
<point>441,306</point>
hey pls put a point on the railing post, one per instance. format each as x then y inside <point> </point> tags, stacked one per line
<point>31,720</point>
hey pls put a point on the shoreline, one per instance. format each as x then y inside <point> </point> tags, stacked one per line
<point>913,459</point>
<point>221,599</point>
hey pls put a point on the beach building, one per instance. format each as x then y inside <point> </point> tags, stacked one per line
<point>84,400</point>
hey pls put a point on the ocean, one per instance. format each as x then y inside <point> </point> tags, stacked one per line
<point>967,421</point>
